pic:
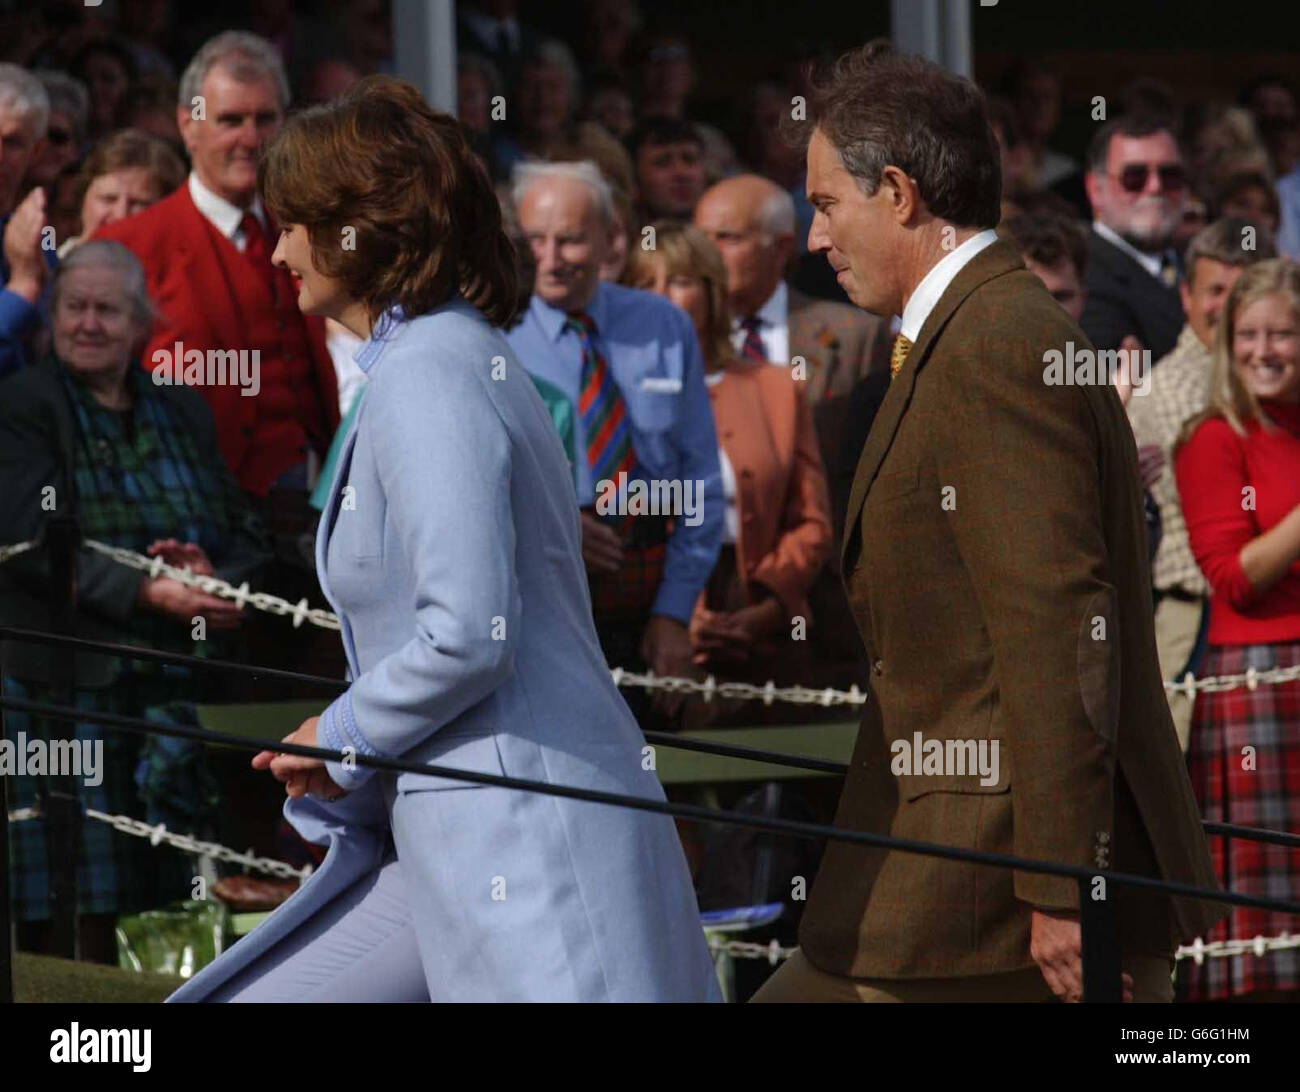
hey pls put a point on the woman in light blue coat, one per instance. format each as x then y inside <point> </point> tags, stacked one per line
<point>449,546</point>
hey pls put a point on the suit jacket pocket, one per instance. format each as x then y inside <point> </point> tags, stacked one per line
<point>914,786</point>
<point>478,753</point>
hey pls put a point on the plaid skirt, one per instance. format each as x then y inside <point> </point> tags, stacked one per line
<point>1231,786</point>
<point>116,873</point>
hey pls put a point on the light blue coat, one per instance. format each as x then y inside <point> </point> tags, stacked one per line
<point>450,549</point>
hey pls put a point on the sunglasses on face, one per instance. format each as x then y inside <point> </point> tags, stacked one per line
<point>1133,178</point>
<point>58,136</point>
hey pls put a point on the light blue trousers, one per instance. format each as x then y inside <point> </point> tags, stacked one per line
<point>359,948</point>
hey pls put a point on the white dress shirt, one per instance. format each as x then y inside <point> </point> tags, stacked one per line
<point>935,283</point>
<point>774,326</point>
<point>222,215</point>
<point>730,517</point>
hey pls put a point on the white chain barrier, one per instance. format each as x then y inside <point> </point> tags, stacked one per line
<point>709,688</point>
<point>13,550</point>
<point>158,834</point>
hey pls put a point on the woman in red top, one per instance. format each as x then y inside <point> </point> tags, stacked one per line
<point>1238,476</point>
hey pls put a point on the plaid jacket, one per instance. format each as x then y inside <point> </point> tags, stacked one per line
<point>1180,383</point>
<point>128,480</point>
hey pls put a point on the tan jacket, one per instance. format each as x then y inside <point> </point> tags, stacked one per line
<point>995,557</point>
<point>766,429</point>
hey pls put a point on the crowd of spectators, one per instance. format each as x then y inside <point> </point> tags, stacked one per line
<point>678,330</point>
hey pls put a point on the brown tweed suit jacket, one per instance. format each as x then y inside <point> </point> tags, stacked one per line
<point>995,556</point>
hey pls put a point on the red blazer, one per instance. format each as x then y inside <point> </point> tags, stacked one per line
<point>765,426</point>
<point>184,277</point>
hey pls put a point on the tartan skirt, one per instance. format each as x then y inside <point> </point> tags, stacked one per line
<point>116,873</point>
<point>1253,788</point>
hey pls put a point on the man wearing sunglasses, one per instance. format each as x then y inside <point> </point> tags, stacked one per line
<point>1137,184</point>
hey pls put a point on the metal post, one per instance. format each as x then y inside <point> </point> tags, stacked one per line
<point>61,806</point>
<point>1099,925</point>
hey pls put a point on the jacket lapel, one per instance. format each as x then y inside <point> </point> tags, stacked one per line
<point>993,261</point>
<point>326,527</point>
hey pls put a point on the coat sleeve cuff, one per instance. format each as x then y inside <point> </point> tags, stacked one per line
<point>338,731</point>
<point>675,600</point>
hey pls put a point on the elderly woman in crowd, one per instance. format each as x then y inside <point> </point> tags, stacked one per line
<point>125,174</point>
<point>87,433</point>
<point>1238,476</point>
<point>778,524</point>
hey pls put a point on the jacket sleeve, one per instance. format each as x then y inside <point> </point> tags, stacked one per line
<point>34,485</point>
<point>693,550</point>
<point>18,319</point>
<point>468,608</point>
<point>247,546</point>
<point>805,525</point>
<point>1024,460</point>
<point>1212,483</point>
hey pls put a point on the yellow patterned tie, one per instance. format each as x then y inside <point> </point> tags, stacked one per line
<point>902,346</point>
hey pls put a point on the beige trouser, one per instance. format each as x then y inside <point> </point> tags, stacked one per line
<point>1177,623</point>
<point>798,980</point>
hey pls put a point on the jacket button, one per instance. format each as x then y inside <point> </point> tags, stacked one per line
<point>878,667</point>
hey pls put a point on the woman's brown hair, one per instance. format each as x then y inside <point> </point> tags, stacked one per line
<point>395,202</point>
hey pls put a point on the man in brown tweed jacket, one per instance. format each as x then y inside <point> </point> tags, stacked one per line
<point>995,555</point>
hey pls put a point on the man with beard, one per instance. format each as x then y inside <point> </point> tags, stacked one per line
<point>1136,184</point>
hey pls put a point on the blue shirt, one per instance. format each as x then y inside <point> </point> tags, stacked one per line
<point>18,318</point>
<point>654,356</point>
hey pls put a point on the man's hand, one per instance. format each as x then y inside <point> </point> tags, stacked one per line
<point>602,549</point>
<point>730,636</point>
<point>22,247</point>
<point>1151,461</point>
<point>666,647</point>
<point>1056,945</point>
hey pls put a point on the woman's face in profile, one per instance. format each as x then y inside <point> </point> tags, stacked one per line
<point>317,293</point>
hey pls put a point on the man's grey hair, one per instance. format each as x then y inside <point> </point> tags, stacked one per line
<point>25,95</point>
<point>776,215</point>
<point>527,174</point>
<point>1224,241</point>
<point>245,56</point>
<point>106,254</point>
<point>67,96</point>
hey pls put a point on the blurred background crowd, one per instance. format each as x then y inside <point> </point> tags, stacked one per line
<point>656,210</point>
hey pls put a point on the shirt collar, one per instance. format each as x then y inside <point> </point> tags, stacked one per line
<point>777,308</point>
<point>380,334</point>
<point>224,216</point>
<point>1149,262</point>
<point>552,320</point>
<point>933,284</point>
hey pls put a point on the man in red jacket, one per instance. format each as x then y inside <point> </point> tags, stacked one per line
<point>228,320</point>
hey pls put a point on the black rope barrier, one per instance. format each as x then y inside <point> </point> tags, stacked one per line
<point>666,739</point>
<point>795,827</point>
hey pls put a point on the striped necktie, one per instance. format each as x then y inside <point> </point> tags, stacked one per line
<point>753,347</point>
<point>902,346</point>
<point>602,412</point>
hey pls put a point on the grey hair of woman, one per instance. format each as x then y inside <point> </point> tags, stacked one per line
<point>106,254</point>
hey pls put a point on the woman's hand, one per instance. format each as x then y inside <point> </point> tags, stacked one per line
<point>301,775</point>
<point>182,555</point>
<point>730,636</point>
<point>184,603</point>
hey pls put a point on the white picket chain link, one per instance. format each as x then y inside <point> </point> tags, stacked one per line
<point>13,550</point>
<point>709,688</point>
<point>773,952</point>
<point>158,834</point>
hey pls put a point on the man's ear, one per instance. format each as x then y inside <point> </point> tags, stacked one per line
<point>185,121</point>
<point>1092,187</point>
<point>1185,294</point>
<point>902,193</point>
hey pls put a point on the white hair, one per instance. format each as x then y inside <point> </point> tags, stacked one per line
<point>527,173</point>
<point>26,96</point>
<point>107,254</point>
<point>776,214</point>
<point>246,56</point>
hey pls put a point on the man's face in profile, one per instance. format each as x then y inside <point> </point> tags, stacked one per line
<point>852,230</point>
